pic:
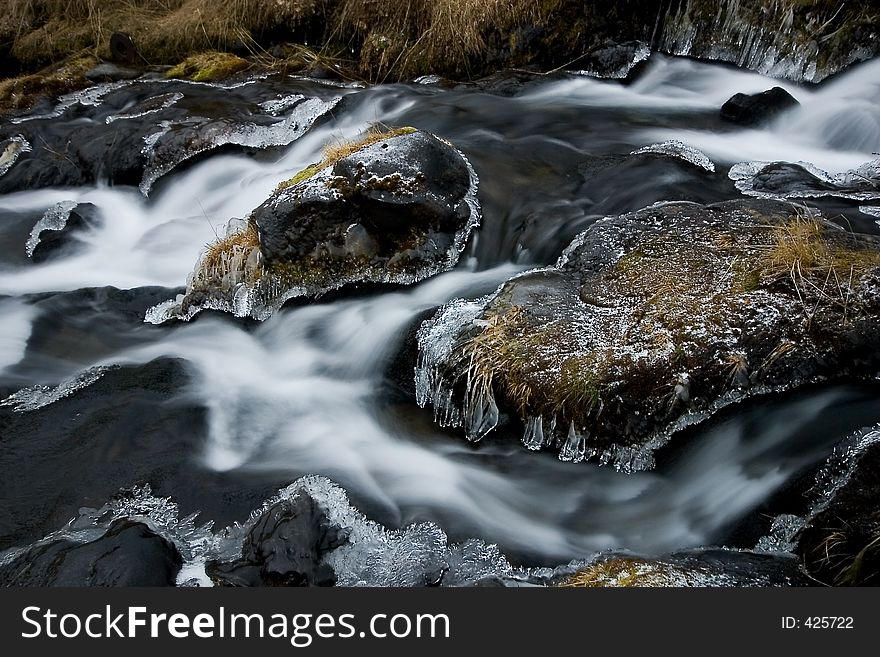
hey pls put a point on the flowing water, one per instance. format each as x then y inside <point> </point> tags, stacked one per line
<point>325,388</point>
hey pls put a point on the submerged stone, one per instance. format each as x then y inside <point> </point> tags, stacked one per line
<point>654,320</point>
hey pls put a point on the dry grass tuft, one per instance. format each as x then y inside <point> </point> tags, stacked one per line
<point>400,37</point>
<point>229,261</point>
<point>850,557</point>
<point>340,149</point>
<point>164,31</point>
<point>820,263</point>
<point>620,572</point>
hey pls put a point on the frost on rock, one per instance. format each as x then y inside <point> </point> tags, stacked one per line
<point>614,62</point>
<point>281,104</point>
<point>438,338</point>
<point>835,539</point>
<point>651,322</point>
<point>88,97</point>
<point>782,534</point>
<point>417,555</point>
<point>163,153</point>
<point>784,180</point>
<point>675,148</point>
<point>871,210</point>
<point>10,150</point>
<point>153,105</point>
<point>55,218</point>
<point>36,397</point>
<point>160,514</point>
<point>234,276</point>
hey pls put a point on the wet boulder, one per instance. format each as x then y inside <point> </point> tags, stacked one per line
<point>54,235</point>
<point>134,132</point>
<point>754,109</point>
<point>128,554</point>
<point>395,207</point>
<point>613,60</point>
<point>651,321</point>
<point>839,542</point>
<point>284,547</point>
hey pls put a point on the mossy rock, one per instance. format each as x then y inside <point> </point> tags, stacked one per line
<point>208,67</point>
<point>654,320</point>
<point>395,206</point>
<point>21,93</point>
<point>712,567</point>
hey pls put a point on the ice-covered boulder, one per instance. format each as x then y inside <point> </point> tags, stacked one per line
<point>394,207</point>
<point>653,320</point>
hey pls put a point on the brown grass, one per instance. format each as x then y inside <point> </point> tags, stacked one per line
<point>394,37</point>
<point>229,261</point>
<point>621,572</point>
<point>820,263</point>
<point>164,31</point>
<point>335,151</point>
<point>400,37</point>
<point>22,92</point>
<point>850,557</point>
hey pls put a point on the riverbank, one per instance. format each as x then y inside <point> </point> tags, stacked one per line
<point>801,40</point>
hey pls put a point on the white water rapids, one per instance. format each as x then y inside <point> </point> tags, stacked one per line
<point>302,392</point>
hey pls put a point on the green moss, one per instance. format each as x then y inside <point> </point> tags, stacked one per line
<point>208,67</point>
<point>305,174</point>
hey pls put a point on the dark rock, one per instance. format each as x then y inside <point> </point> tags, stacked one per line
<point>410,182</point>
<point>394,209</point>
<point>754,109</point>
<point>613,60</point>
<point>840,540</point>
<point>56,242</point>
<point>107,72</point>
<point>77,450</point>
<point>137,133</point>
<point>285,547</point>
<point>122,48</point>
<point>651,319</point>
<point>128,554</point>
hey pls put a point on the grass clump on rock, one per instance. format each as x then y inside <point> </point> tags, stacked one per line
<point>655,315</point>
<point>336,151</point>
<point>22,92</point>
<point>623,572</point>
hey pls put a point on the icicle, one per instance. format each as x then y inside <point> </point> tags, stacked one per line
<point>575,446</point>
<point>533,438</point>
<point>481,414</point>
